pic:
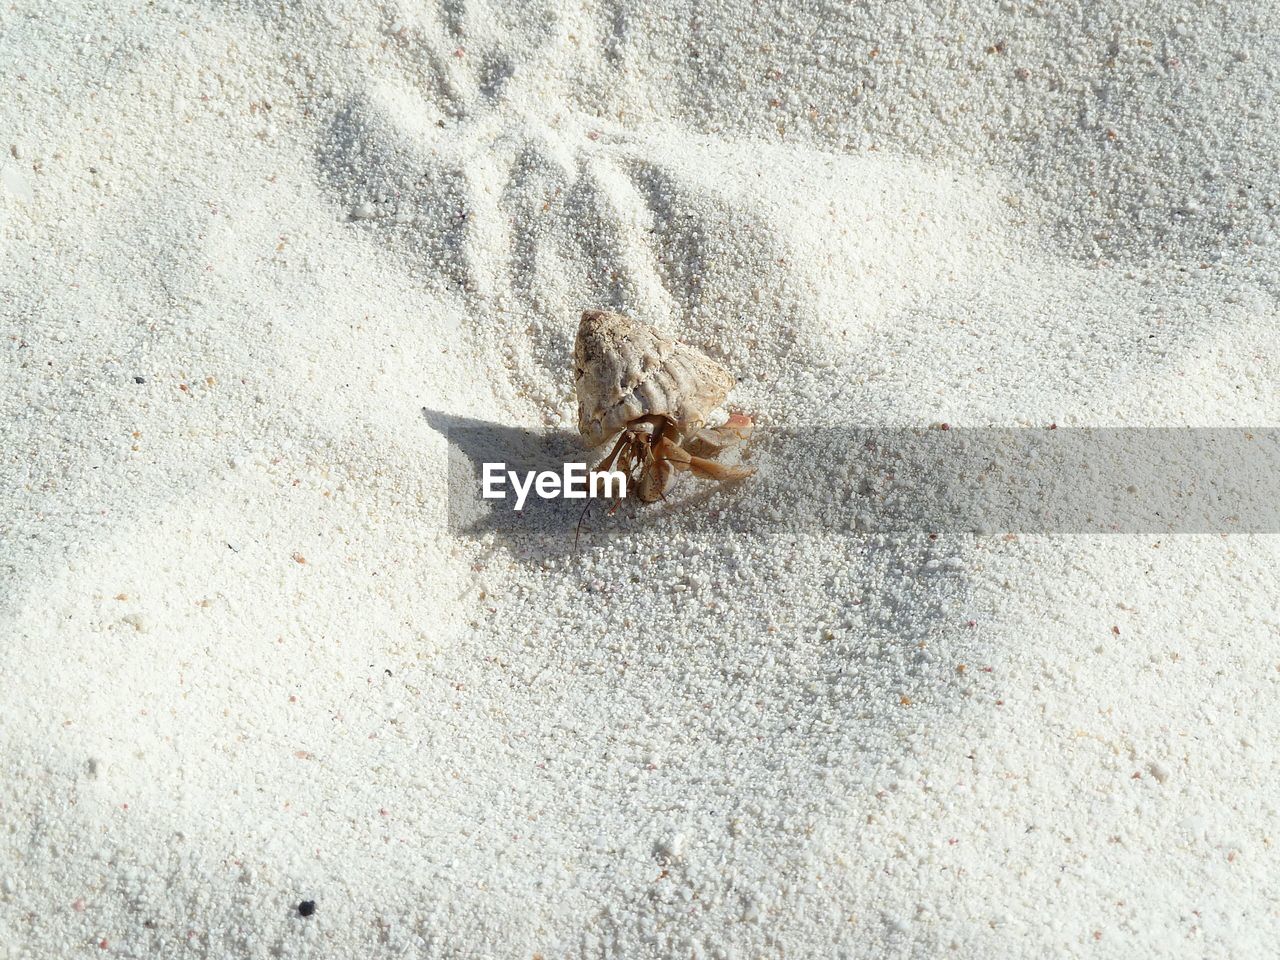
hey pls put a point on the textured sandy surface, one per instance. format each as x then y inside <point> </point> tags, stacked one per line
<point>245,664</point>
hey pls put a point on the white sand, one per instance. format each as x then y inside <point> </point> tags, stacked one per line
<point>245,664</point>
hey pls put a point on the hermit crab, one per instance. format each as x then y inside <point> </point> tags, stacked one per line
<point>659,397</point>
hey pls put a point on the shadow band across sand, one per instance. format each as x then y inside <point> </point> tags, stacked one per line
<point>905,480</point>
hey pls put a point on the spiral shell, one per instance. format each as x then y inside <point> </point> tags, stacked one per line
<point>625,369</point>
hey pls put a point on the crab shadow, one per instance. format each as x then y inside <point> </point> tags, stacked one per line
<point>805,482</point>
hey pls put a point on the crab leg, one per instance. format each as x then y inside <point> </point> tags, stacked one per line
<point>677,456</point>
<point>606,463</point>
<point>621,450</point>
<point>702,467</point>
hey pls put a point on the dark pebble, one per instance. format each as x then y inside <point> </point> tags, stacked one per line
<point>307,907</point>
<point>139,379</point>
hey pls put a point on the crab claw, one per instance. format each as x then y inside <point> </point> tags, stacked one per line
<point>712,441</point>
